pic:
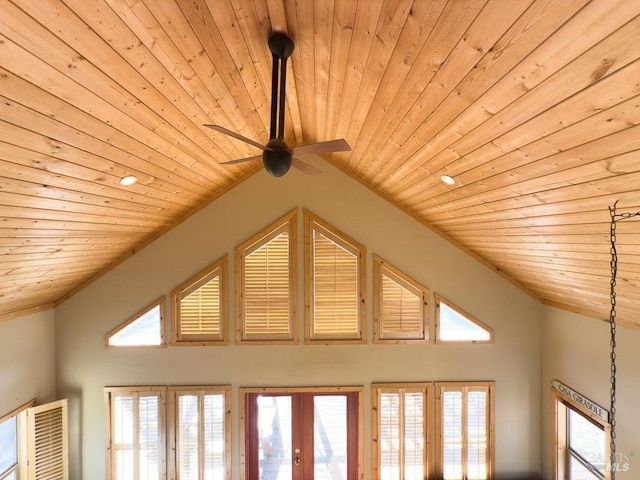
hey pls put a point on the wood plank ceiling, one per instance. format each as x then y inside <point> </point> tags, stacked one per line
<point>531,105</point>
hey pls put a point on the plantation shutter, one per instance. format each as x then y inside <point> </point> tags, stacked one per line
<point>389,435</point>
<point>401,437</point>
<point>266,290</point>
<point>47,443</point>
<point>201,436</point>
<point>137,434</point>
<point>414,434</point>
<point>401,305</point>
<point>452,437</point>
<point>335,282</point>
<point>267,284</point>
<point>477,433</point>
<point>200,308</point>
<point>465,432</point>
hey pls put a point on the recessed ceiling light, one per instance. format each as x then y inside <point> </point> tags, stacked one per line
<point>447,179</point>
<point>128,180</point>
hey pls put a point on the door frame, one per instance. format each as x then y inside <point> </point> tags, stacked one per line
<point>245,391</point>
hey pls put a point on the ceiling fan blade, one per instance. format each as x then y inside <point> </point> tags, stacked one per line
<point>304,167</point>
<point>242,160</point>
<point>329,146</point>
<point>235,135</point>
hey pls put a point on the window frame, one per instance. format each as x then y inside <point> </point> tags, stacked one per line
<point>439,299</point>
<point>160,302</point>
<point>562,404</point>
<point>288,223</point>
<point>439,388</point>
<point>19,414</point>
<point>380,268</point>
<point>427,389</point>
<point>174,392</point>
<point>160,392</point>
<point>314,223</point>
<point>218,268</point>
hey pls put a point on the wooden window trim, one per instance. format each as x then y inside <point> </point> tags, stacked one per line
<point>466,386</point>
<point>219,267</point>
<point>161,391</point>
<point>20,409</point>
<point>440,299</point>
<point>286,223</point>
<point>380,268</point>
<point>157,303</point>
<point>427,389</point>
<point>173,421</point>
<point>311,223</point>
<point>561,404</point>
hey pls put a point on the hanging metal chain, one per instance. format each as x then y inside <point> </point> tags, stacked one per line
<point>612,323</point>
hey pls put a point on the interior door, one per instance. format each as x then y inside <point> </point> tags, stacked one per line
<point>301,435</point>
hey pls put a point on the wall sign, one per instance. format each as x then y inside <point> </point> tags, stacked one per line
<point>582,400</point>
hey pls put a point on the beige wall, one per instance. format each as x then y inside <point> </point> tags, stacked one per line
<point>85,367</point>
<point>27,360</point>
<point>575,351</point>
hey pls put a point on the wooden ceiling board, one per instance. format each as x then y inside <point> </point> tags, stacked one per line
<point>533,106</point>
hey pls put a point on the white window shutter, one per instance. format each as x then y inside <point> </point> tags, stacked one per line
<point>47,441</point>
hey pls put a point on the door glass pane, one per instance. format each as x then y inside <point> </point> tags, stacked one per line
<point>274,431</point>
<point>587,440</point>
<point>330,437</point>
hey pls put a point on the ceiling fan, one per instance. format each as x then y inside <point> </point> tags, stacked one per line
<point>277,156</point>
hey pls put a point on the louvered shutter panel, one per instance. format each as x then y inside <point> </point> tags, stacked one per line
<point>452,434</point>
<point>267,292</point>
<point>200,308</point>
<point>188,429</point>
<point>414,434</point>
<point>389,435</point>
<point>47,441</point>
<point>137,434</point>
<point>402,311</point>
<point>214,436</point>
<point>335,290</point>
<point>465,412</point>
<point>200,435</point>
<point>477,433</point>
<point>200,311</point>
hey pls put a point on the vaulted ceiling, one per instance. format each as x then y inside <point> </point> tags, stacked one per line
<point>531,106</point>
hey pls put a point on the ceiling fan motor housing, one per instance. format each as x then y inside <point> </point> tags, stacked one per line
<point>277,158</point>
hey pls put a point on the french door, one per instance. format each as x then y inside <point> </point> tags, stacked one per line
<point>310,435</point>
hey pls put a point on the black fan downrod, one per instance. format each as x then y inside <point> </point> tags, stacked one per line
<point>277,157</point>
